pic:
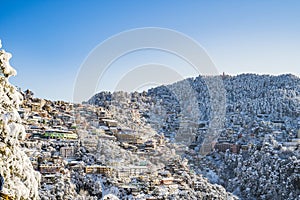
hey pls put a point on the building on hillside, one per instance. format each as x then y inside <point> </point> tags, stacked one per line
<point>234,148</point>
<point>60,134</point>
<point>129,138</point>
<point>67,152</point>
<point>98,169</point>
<point>130,171</point>
<point>49,168</point>
<point>108,122</point>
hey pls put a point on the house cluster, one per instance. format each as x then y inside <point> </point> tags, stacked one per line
<point>255,106</point>
<point>62,138</point>
<point>120,135</point>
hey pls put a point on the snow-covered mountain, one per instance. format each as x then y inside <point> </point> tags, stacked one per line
<point>258,122</point>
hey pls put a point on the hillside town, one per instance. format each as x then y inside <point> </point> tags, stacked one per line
<point>87,152</point>
<point>261,128</point>
<point>170,142</point>
<point>125,144</point>
<point>60,150</point>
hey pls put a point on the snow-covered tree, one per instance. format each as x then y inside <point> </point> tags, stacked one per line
<point>21,181</point>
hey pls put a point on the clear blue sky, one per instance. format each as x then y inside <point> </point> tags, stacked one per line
<point>49,39</point>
